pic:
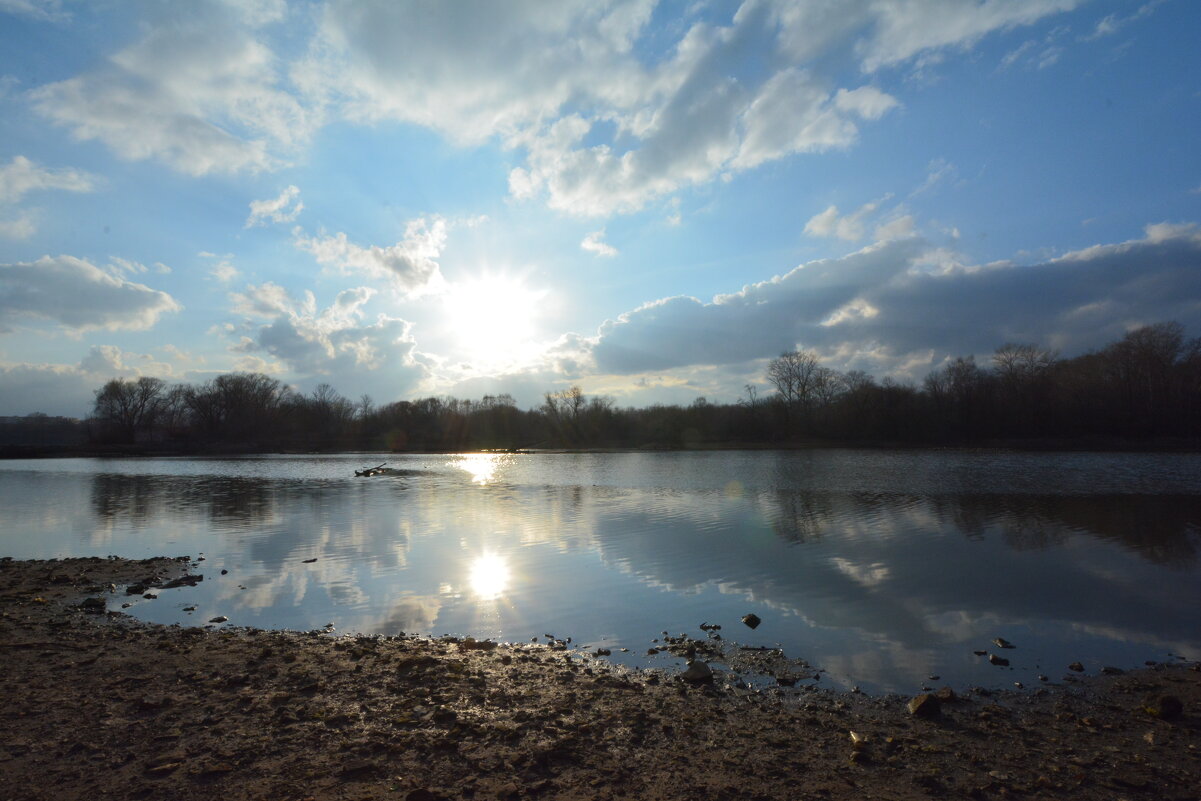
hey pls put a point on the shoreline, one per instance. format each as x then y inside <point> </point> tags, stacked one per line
<point>99,705</point>
<point>1031,445</point>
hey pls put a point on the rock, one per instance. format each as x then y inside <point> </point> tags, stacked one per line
<point>183,581</point>
<point>472,644</point>
<point>1000,661</point>
<point>149,596</point>
<point>979,653</point>
<point>95,606</point>
<point>218,619</point>
<point>602,652</point>
<point>1109,670</point>
<point>1164,707</point>
<point>925,706</point>
<point>752,620</point>
<point>945,695</point>
<point>135,589</point>
<point>189,609</point>
<point>1001,642</point>
<point>697,673</point>
<point>1076,666</point>
<point>309,561</point>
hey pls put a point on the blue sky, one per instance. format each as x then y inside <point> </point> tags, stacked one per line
<point>649,200</point>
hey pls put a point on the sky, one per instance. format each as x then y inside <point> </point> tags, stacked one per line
<point>649,200</point>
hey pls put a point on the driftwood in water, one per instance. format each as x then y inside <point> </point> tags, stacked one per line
<point>371,471</point>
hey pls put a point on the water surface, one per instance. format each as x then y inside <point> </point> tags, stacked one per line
<point>881,568</point>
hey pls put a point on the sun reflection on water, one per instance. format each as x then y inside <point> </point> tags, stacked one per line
<point>489,577</point>
<point>481,466</point>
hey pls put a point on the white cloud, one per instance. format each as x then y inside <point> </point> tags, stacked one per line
<point>851,227</point>
<point>45,10</point>
<point>224,272</point>
<point>78,295</point>
<point>896,228</point>
<point>200,93</point>
<point>411,264</point>
<point>903,30</point>
<point>277,209</point>
<point>938,171</point>
<point>1112,23</point>
<point>22,227</point>
<point>605,130</point>
<point>331,344</point>
<point>595,243</point>
<point>22,176</point>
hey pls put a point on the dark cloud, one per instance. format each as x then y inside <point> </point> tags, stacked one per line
<point>78,295</point>
<point>895,299</point>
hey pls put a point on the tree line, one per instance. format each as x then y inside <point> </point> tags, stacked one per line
<point>1147,385</point>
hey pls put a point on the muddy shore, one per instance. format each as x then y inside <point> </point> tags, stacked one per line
<point>95,705</point>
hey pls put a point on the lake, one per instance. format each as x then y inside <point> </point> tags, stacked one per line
<point>881,568</point>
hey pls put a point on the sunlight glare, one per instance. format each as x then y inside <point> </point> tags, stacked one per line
<point>481,466</point>
<point>492,319</point>
<point>489,577</point>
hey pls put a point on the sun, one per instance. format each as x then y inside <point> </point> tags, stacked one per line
<point>492,319</point>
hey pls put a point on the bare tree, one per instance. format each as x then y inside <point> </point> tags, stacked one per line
<point>794,375</point>
<point>129,406</point>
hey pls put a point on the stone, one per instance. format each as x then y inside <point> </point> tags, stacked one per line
<point>1000,661</point>
<point>752,620</point>
<point>945,695</point>
<point>218,619</point>
<point>472,644</point>
<point>1164,707</point>
<point>697,673</point>
<point>1001,642</point>
<point>96,606</point>
<point>1076,666</point>
<point>925,706</point>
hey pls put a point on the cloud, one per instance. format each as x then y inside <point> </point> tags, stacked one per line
<point>78,295</point>
<point>850,227</point>
<point>199,93</point>
<point>595,243</point>
<point>332,344</point>
<point>938,171</point>
<point>902,31</point>
<point>43,10</point>
<point>902,306</point>
<point>22,176</point>
<point>66,389</point>
<point>276,210</point>
<point>604,129</point>
<point>1112,23</point>
<point>21,227</point>
<point>411,264</point>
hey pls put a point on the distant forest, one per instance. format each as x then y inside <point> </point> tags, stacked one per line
<point>1146,386</point>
